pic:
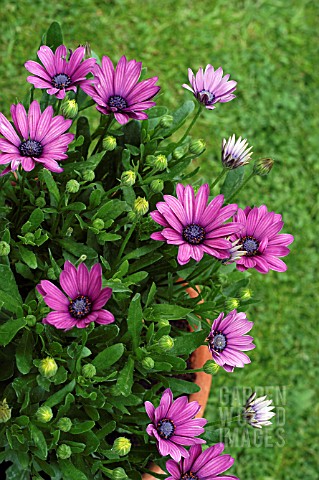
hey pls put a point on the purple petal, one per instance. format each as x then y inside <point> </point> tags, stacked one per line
<point>105,317</point>
<point>104,295</point>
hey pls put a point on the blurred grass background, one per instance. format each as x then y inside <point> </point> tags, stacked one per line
<point>271,49</point>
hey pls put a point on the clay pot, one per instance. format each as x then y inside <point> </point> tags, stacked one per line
<point>203,380</point>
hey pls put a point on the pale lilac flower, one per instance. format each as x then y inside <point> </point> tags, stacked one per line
<point>193,225</point>
<point>117,91</point>
<point>37,138</point>
<point>173,425</point>
<point>227,340</point>
<point>207,465</point>
<point>261,240</point>
<point>84,299</point>
<point>59,74</point>
<point>235,253</point>
<point>210,87</point>
<point>235,153</point>
<point>258,411</point>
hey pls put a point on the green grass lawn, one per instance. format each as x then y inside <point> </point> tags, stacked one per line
<point>270,48</point>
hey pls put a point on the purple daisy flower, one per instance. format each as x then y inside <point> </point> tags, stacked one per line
<point>86,298</point>
<point>118,91</point>
<point>173,425</point>
<point>261,240</point>
<point>200,465</point>
<point>193,225</point>
<point>210,87</point>
<point>235,153</point>
<point>258,411</point>
<point>37,138</point>
<point>227,340</point>
<point>58,75</point>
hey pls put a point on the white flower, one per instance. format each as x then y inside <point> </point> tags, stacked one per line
<point>258,411</point>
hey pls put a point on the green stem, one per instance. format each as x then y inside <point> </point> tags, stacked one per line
<point>191,124</point>
<point>218,178</point>
<point>105,129</point>
<point>22,180</point>
<point>58,107</point>
<point>128,236</point>
<point>242,185</point>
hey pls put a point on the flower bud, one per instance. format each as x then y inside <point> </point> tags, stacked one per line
<point>88,175</point>
<point>148,363</point>
<point>197,147</point>
<point>131,216</point>
<point>64,424</point>
<point>166,342</point>
<point>245,293</point>
<point>122,446</point>
<point>69,232</point>
<point>88,370</point>
<point>263,166</point>
<point>29,237</point>
<point>48,367</point>
<point>51,274</point>
<point>72,186</point>
<point>211,367</point>
<point>40,202</point>
<point>5,411</point>
<point>141,206</point>
<point>69,108</point>
<point>44,414</point>
<point>63,451</point>
<point>180,152</point>
<point>157,185</point>
<point>98,223</point>
<point>160,162</point>
<point>119,474</point>
<point>166,121</point>
<point>31,320</point>
<point>4,249</point>
<point>232,303</point>
<point>128,178</point>
<point>163,323</point>
<point>109,143</point>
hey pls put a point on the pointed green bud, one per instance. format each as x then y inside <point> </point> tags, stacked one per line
<point>246,293</point>
<point>211,367</point>
<point>180,152</point>
<point>69,232</point>
<point>88,370</point>
<point>141,206</point>
<point>263,166</point>
<point>98,223</point>
<point>122,446</point>
<point>88,175</point>
<point>166,343</point>
<point>166,121</point>
<point>119,474</point>
<point>48,367</point>
<point>160,162</point>
<point>157,185</point>
<point>63,451</point>
<point>109,143</point>
<point>128,178</point>
<point>31,320</point>
<point>232,303</point>
<point>64,424</point>
<point>131,216</point>
<point>163,323</point>
<point>4,249</point>
<point>69,108</point>
<point>40,202</point>
<point>72,186</point>
<point>5,411</point>
<point>148,363</point>
<point>44,414</point>
<point>197,147</point>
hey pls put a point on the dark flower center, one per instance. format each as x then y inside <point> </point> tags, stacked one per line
<point>218,342</point>
<point>194,234</point>
<point>165,428</point>
<point>251,245</point>
<point>117,102</point>
<point>61,80</point>
<point>80,307</point>
<point>31,148</point>
<point>189,476</point>
<point>206,97</point>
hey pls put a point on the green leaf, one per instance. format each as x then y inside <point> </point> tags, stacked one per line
<point>125,380</point>
<point>151,294</point>
<point>24,271</point>
<point>156,112</point>
<point>36,218</point>
<point>59,395</point>
<point>46,176</point>
<point>74,207</point>
<point>24,352</point>
<point>187,343</point>
<point>83,129</point>
<point>135,320</point>
<point>54,36</point>
<point>111,209</point>
<point>39,442</point>
<point>179,116</point>
<point>9,293</point>
<point>28,257</point>
<point>165,311</point>
<point>77,249</point>
<point>70,472</point>
<point>9,330</point>
<point>233,180</point>
<point>108,357</point>
<point>181,387</point>
<point>108,237</point>
<point>81,427</point>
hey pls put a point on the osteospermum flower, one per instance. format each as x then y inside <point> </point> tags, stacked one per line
<point>193,225</point>
<point>258,411</point>
<point>210,87</point>
<point>227,340</point>
<point>200,465</point>
<point>173,425</point>
<point>59,74</point>
<point>235,253</point>
<point>261,240</point>
<point>83,300</point>
<point>117,91</point>
<point>37,138</point>
<point>235,153</point>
